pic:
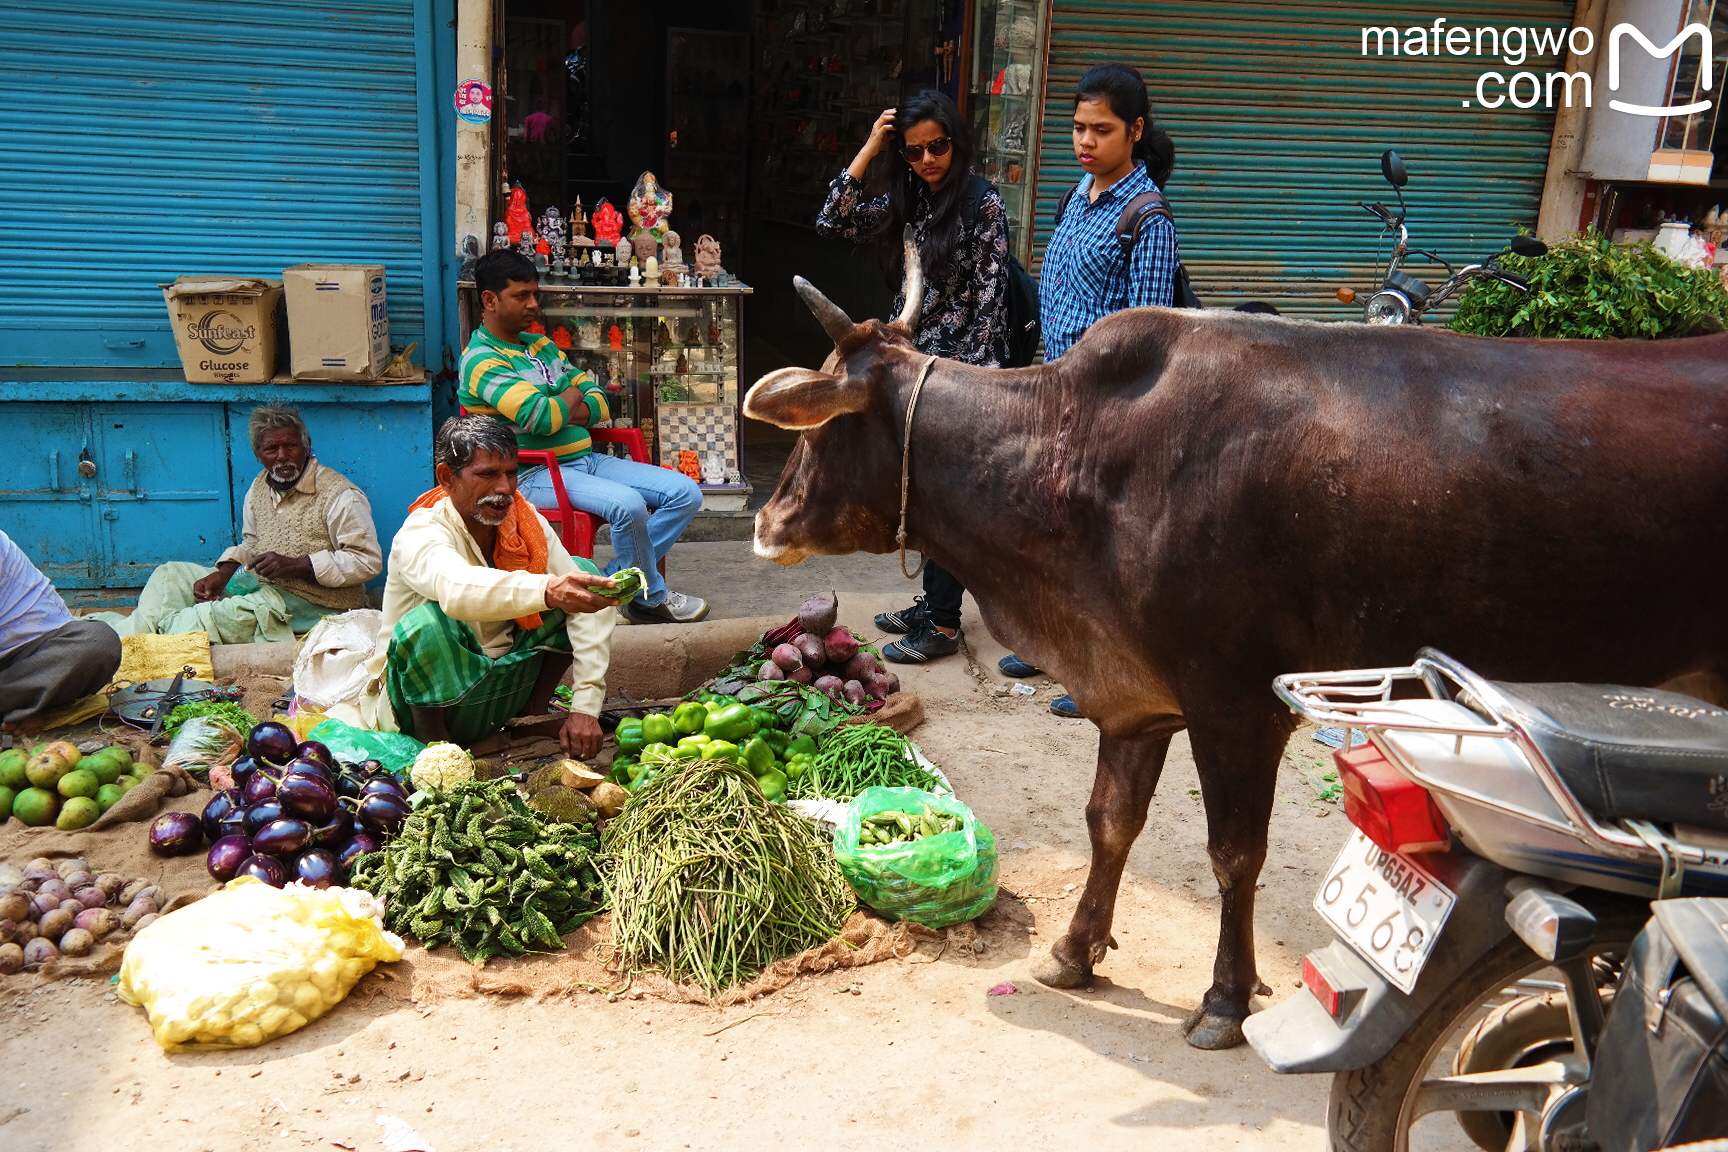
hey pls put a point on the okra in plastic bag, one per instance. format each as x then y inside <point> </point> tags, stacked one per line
<point>936,881</point>
<point>251,962</point>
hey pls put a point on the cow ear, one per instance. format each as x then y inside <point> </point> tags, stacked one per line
<point>799,398</point>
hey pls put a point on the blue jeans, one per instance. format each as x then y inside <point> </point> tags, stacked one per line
<point>620,492</point>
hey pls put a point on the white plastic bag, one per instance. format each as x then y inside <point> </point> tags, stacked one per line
<point>251,962</point>
<point>331,666</point>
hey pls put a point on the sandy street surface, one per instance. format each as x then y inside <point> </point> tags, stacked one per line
<point>919,1057</point>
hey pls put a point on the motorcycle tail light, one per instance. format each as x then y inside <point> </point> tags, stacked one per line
<point>1393,811</point>
<point>1337,992</point>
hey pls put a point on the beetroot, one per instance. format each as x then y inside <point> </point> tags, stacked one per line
<point>893,682</point>
<point>97,921</point>
<point>38,952</point>
<point>860,666</point>
<point>43,904</point>
<point>809,647</point>
<point>91,897</point>
<point>787,657</point>
<point>854,692</point>
<point>770,671</point>
<point>876,684</point>
<point>840,645</point>
<point>832,685</point>
<point>802,676</point>
<point>818,615</point>
<point>11,959</point>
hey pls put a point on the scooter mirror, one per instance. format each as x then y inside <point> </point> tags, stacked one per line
<point>1528,246</point>
<point>1392,167</point>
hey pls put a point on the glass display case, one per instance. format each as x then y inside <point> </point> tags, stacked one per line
<point>668,360</point>
<point>1007,94</point>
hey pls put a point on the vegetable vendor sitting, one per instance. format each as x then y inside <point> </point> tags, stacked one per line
<point>523,379</point>
<point>484,610</point>
<point>307,545</point>
<point>46,657</point>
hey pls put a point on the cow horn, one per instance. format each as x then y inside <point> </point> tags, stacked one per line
<point>908,317</point>
<point>834,321</point>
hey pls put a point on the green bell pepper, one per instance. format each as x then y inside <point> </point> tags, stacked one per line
<point>766,720</point>
<point>731,723</point>
<point>657,729</point>
<point>689,717</point>
<point>777,740</point>
<point>723,750</point>
<point>690,752</point>
<point>629,736</point>
<point>758,756</point>
<point>773,784</point>
<point>804,744</point>
<point>702,738</point>
<point>796,765</point>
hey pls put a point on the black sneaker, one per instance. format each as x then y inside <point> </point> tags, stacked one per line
<point>906,620</point>
<point>922,646</point>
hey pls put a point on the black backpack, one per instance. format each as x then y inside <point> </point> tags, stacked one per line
<point>1023,327</point>
<point>1134,213</point>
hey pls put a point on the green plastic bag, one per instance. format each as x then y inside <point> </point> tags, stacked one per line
<point>346,742</point>
<point>936,881</point>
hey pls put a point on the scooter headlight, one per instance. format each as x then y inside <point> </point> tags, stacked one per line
<point>1387,307</point>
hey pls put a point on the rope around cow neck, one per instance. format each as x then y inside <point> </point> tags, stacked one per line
<point>906,471</point>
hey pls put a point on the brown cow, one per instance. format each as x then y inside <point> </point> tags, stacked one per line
<point>1189,503</point>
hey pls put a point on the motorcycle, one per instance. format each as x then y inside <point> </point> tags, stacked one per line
<point>1403,298</point>
<point>1507,841</point>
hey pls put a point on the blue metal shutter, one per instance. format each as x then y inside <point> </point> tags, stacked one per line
<point>166,137</point>
<point>1279,122</point>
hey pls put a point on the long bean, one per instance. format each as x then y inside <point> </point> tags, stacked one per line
<point>711,882</point>
<point>861,756</point>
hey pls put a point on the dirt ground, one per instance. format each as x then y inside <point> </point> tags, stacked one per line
<point>909,1054</point>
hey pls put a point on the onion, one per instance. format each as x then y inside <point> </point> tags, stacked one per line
<point>810,648</point>
<point>819,614</point>
<point>854,692</point>
<point>272,743</point>
<point>770,671</point>
<point>311,798</point>
<point>265,868</point>
<point>315,867</point>
<point>281,837</point>
<point>840,645</point>
<point>787,657</point>
<point>226,856</point>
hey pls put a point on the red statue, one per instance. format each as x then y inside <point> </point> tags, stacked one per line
<point>516,217</point>
<point>608,223</point>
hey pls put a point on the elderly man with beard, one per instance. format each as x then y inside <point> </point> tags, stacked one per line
<point>307,546</point>
<point>484,610</point>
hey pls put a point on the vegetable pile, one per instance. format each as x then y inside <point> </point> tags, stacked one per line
<point>714,727</point>
<point>812,650</point>
<point>859,757</point>
<point>55,908</point>
<point>711,882</point>
<point>295,813</point>
<point>889,827</point>
<point>476,867</point>
<point>56,784</point>
<point>227,711</point>
<point>441,765</point>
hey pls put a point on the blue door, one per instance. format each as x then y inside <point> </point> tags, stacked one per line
<point>161,486</point>
<point>44,502</point>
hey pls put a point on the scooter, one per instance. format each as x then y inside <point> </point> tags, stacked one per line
<point>1403,298</point>
<point>1508,840</point>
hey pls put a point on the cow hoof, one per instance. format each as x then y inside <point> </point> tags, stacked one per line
<point>1211,1031</point>
<point>1055,972</point>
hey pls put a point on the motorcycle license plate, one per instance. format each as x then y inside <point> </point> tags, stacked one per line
<point>1385,906</point>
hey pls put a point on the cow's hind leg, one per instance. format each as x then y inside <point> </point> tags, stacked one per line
<point>1128,772</point>
<point>1237,758</point>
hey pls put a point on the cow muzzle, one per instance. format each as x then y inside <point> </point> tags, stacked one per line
<point>769,541</point>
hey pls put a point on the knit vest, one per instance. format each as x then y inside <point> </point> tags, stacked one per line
<point>300,526</point>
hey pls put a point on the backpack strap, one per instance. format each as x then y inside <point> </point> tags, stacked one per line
<point>975,194</point>
<point>1062,204</point>
<point>1134,213</point>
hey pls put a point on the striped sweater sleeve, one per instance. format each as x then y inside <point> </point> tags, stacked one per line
<point>492,381</point>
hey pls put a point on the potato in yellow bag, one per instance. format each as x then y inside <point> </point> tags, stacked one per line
<point>251,962</point>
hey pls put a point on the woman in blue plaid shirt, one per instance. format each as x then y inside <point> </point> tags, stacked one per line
<point>1086,275</point>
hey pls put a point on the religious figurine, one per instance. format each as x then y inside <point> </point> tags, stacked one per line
<point>536,328</point>
<point>500,236</point>
<point>692,337</point>
<point>663,336</point>
<point>608,223</point>
<point>561,337</point>
<point>635,273</point>
<point>671,251</point>
<point>651,271</point>
<point>615,338</point>
<point>470,254</point>
<point>682,366</point>
<point>714,334</point>
<point>621,253</point>
<point>707,256</point>
<point>525,243</point>
<point>552,225</point>
<point>650,207</point>
<point>588,333</point>
<point>516,216</point>
<point>578,222</point>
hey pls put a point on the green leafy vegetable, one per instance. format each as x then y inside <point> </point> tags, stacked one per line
<point>224,710</point>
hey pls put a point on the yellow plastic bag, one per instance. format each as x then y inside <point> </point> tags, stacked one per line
<point>251,962</point>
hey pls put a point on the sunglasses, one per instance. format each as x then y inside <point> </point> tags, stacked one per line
<point>936,147</point>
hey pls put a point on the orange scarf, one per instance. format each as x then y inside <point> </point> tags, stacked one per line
<point>520,547</point>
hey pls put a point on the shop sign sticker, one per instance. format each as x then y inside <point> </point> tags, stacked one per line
<point>474,102</point>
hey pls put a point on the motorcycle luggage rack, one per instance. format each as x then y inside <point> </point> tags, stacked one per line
<point>1362,699</point>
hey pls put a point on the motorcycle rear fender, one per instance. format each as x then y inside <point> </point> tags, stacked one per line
<point>1298,1035</point>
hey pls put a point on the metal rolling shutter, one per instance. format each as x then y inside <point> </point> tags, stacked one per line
<point>1279,122</point>
<point>155,138</point>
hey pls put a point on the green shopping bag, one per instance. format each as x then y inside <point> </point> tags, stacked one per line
<point>937,881</point>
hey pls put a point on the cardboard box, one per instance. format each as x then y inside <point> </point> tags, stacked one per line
<point>338,321</point>
<point>224,327</point>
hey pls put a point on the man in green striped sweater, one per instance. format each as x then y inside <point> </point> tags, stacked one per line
<point>523,380</point>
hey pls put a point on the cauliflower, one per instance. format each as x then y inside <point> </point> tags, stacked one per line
<point>441,765</point>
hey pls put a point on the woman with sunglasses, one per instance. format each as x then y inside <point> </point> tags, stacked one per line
<point>960,228</point>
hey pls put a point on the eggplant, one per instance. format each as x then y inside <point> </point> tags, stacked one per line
<point>334,831</point>
<point>233,824</point>
<point>176,834</point>
<point>348,784</point>
<point>242,769</point>
<point>261,814</point>
<point>370,767</point>
<point>382,784</point>
<point>311,798</point>
<point>361,844</point>
<point>303,766</point>
<point>261,785</point>
<point>315,867</point>
<point>223,804</point>
<point>272,743</point>
<point>316,750</point>
<point>281,838</point>
<point>382,813</point>
<point>226,856</point>
<point>265,868</point>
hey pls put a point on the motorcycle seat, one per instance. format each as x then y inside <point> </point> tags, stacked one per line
<point>1631,753</point>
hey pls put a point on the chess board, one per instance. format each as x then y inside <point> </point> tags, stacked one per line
<point>702,428</point>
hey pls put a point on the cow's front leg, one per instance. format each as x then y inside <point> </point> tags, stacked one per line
<point>1237,759</point>
<point>1128,772</point>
